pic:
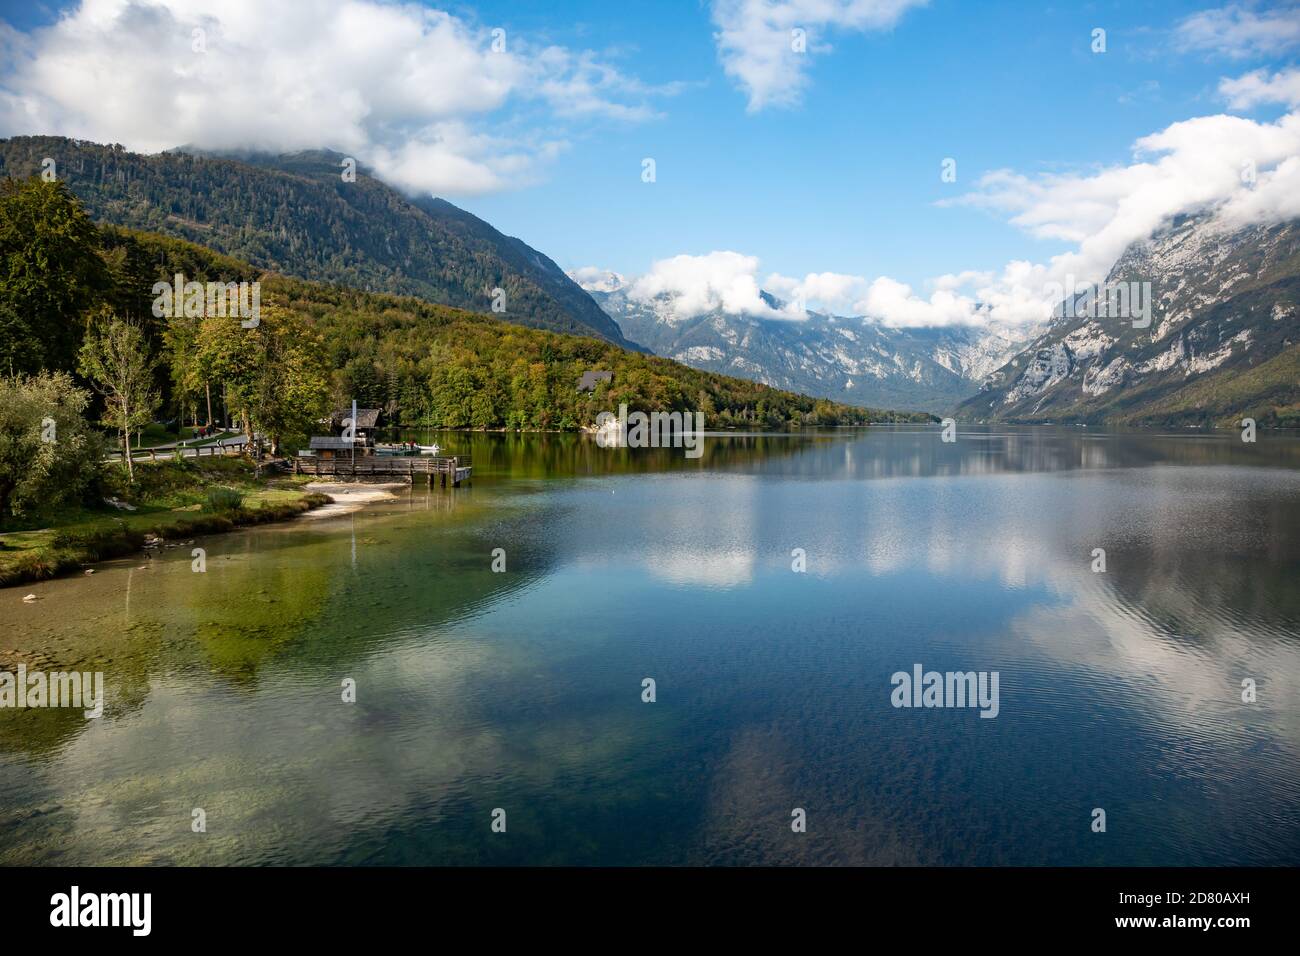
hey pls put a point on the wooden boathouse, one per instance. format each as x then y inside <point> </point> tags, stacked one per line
<point>352,452</point>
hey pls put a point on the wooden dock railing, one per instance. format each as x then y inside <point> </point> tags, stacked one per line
<point>456,469</point>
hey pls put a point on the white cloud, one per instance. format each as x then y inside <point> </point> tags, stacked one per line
<point>729,281</point>
<point>1191,166</point>
<point>449,157</point>
<point>595,279</point>
<point>580,85</point>
<point>1197,165</point>
<point>962,279</point>
<point>831,292</point>
<point>895,304</point>
<point>756,44</point>
<point>1275,197</point>
<point>697,284</point>
<point>686,286</point>
<point>406,89</point>
<point>1253,89</point>
<point>1240,31</point>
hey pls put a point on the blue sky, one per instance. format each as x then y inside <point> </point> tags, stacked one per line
<point>844,177</point>
<point>847,181</point>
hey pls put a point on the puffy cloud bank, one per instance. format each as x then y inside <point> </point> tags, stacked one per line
<point>1240,170</point>
<point>407,89</point>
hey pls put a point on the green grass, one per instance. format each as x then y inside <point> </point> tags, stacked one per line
<point>173,499</point>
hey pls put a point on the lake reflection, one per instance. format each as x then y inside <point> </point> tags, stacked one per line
<point>522,690</point>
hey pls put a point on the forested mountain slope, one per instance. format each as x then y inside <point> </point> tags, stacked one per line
<point>297,215</point>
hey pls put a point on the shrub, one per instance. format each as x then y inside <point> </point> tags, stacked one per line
<point>49,455</point>
<point>224,500</point>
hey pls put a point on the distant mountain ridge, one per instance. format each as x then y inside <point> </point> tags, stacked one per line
<point>1223,340</point>
<point>1222,343</point>
<point>294,214</point>
<point>847,359</point>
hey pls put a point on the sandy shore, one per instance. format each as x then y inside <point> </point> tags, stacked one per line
<point>351,496</point>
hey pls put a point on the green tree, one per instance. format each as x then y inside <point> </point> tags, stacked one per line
<point>225,355</point>
<point>292,381</point>
<point>275,374</point>
<point>20,347</point>
<point>180,340</point>
<point>452,389</point>
<point>50,274</point>
<point>48,452</point>
<point>115,359</point>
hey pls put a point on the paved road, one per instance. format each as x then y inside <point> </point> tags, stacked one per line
<point>187,451</point>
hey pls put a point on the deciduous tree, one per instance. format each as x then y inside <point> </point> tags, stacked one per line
<point>115,359</point>
<point>50,275</point>
<point>48,451</point>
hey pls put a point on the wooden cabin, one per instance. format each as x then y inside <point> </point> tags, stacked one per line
<point>367,423</point>
<point>327,447</point>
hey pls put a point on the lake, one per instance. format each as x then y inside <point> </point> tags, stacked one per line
<point>522,690</point>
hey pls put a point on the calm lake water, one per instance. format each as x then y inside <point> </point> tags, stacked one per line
<point>522,690</point>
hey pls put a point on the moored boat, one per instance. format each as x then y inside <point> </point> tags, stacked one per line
<point>407,449</point>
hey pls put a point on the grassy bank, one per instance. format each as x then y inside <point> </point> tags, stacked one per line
<point>171,500</point>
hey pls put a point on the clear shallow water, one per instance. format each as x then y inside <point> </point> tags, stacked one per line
<point>522,690</point>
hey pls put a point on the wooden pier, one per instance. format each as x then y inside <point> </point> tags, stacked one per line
<point>455,469</point>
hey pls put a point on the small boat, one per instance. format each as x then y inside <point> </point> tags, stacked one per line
<point>401,450</point>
